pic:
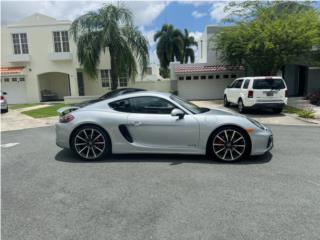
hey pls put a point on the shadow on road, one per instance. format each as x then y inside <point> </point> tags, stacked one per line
<point>265,113</point>
<point>174,159</point>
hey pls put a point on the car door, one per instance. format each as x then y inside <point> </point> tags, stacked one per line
<point>236,91</point>
<point>152,126</point>
<point>231,92</point>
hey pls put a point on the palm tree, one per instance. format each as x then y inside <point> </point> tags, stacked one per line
<point>188,52</point>
<point>169,47</point>
<point>110,28</point>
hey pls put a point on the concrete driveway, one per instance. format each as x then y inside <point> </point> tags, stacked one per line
<point>265,117</point>
<point>15,120</point>
<point>48,193</point>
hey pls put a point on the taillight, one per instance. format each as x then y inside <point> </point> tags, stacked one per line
<point>250,94</point>
<point>2,97</point>
<point>286,93</point>
<point>66,118</point>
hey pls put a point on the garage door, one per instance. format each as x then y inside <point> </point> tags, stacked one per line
<point>15,87</point>
<point>202,89</point>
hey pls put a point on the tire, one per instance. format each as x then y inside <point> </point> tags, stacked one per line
<point>277,110</point>
<point>91,142</point>
<point>241,107</point>
<point>225,101</point>
<point>235,148</point>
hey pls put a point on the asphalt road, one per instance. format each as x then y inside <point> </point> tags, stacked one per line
<point>48,194</point>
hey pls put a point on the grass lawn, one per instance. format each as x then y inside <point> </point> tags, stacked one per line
<point>50,111</point>
<point>304,113</point>
<point>18,106</point>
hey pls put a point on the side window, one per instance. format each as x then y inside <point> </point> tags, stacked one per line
<point>238,84</point>
<point>246,84</point>
<point>233,84</point>
<point>152,105</point>
<point>121,105</point>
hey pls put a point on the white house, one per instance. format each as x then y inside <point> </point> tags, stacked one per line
<point>39,63</point>
<point>208,78</point>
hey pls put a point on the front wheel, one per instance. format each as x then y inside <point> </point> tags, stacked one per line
<point>229,144</point>
<point>90,143</point>
<point>225,101</point>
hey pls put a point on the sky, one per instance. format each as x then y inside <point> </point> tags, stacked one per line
<point>149,16</point>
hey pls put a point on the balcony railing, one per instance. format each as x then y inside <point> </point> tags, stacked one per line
<point>60,56</point>
<point>19,58</point>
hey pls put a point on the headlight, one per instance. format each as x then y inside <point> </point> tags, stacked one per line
<point>256,123</point>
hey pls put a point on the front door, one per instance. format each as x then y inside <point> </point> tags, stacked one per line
<point>80,83</point>
<point>152,126</point>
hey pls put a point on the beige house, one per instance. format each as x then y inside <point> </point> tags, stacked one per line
<point>39,63</point>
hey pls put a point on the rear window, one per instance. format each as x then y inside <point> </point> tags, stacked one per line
<point>268,83</point>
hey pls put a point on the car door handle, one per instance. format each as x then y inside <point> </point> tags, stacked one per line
<point>137,123</point>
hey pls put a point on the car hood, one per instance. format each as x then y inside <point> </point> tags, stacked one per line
<point>220,112</point>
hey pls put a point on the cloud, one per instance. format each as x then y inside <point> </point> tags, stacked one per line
<point>197,36</point>
<point>144,13</point>
<point>217,11</point>
<point>197,14</point>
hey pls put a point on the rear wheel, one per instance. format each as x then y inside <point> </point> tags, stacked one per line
<point>91,143</point>
<point>241,107</point>
<point>229,144</point>
<point>225,101</point>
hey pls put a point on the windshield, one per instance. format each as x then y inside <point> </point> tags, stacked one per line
<point>268,83</point>
<point>188,105</point>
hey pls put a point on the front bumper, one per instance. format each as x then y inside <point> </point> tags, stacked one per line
<point>262,141</point>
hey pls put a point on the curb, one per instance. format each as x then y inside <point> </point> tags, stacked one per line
<point>302,119</point>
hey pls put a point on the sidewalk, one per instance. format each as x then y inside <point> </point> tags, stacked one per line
<point>299,102</point>
<point>15,120</point>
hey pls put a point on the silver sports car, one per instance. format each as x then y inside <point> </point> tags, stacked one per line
<point>155,122</point>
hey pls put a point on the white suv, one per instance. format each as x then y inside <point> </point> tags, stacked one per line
<point>257,92</point>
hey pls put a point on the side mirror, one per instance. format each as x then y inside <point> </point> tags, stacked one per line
<point>4,93</point>
<point>177,113</point>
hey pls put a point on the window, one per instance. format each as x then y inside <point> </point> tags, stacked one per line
<point>14,79</point>
<point>105,78</point>
<point>151,105</point>
<point>210,77</point>
<point>61,41</point>
<point>6,79</point>
<point>188,77</point>
<point>121,105</point>
<point>246,84</point>
<point>233,75</point>
<point>238,84</point>
<point>123,81</point>
<point>217,76</point>
<point>203,77</point>
<point>21,79</point>
<point>195,77</point>
<point>20,43</point>
<point>181,78</point>
<point>268,83</point>
<point>226,76</point>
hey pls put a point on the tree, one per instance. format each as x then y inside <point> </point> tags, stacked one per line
<point>267,35</point>
<point>169,47</point>
<point>110,28</point>
<point>188,52</point>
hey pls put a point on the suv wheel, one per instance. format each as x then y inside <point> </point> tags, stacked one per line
<point>277,110</point>
<point>225,101</point>
<point>241,107</point>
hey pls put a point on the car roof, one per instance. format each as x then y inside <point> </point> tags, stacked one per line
<point>264,77</point>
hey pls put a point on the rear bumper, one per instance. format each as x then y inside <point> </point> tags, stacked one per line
<point>4,106</point>
<point>63,132</point>
<point>267,105</point>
